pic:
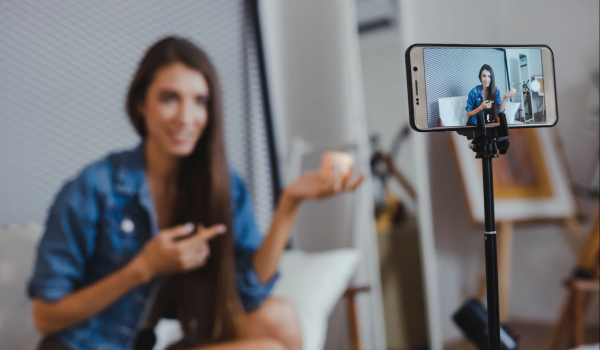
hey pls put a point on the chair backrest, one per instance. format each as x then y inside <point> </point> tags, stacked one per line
<point>510,109</point>
<point>452,110</point>
<point>17,254</point>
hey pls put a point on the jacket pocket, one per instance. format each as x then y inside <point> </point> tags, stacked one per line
<point>124,233</point>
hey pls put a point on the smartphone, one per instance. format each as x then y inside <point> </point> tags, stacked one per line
<point>447,84</point>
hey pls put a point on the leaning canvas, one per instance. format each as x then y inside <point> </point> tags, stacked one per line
<point>530,182</point>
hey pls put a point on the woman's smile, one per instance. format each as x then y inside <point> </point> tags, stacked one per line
<point>182,137</point>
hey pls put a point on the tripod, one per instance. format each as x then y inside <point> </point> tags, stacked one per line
<point>487,143</point>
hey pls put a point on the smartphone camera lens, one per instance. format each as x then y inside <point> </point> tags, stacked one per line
<point>417,103</point>
<point>415,69</point>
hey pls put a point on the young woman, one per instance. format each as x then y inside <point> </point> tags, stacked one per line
<point>167,229</point>
<point>487,91</point>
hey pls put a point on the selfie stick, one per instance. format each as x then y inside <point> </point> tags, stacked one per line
<point>487,143</point>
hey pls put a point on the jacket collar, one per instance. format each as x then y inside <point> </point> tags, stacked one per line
<point>131,180</point>
<point>130,172</point>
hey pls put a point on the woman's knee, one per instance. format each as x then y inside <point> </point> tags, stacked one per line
<point>254,344</point>
<point>282,314</point>
<point>278,318</point>
<point>272,344</point>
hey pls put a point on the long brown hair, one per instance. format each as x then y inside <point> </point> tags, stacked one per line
<point>491,90</point>
<point>206,299</point>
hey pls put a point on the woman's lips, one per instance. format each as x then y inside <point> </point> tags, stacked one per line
<point>181,137</point>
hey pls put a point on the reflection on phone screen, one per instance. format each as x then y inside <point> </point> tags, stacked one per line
<point>461,83</point>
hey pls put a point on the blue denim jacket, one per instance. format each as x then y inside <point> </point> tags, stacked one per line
<point>98,222</point>
<point>475,99</point>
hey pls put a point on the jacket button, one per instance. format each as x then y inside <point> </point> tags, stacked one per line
<point>127,225</point>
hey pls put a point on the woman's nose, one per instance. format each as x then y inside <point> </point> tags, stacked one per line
<point>185,114</point>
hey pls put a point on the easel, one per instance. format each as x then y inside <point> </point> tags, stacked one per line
<point>583,282</point>
<point>571,233</point>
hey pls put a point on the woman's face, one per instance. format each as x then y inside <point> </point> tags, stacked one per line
<point>175,109</point>
<point>486,78</point>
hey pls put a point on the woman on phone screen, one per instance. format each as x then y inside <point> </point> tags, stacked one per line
<point>167,229</point>
<point>486,97</point>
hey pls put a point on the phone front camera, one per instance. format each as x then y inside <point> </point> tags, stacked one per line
<point>415,69</point>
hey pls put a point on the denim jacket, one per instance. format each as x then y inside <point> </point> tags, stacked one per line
<point>475,99</point>
<point>98,222</point>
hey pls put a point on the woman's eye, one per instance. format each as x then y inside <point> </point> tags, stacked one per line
<point>168,98</point>
<point>202,101</point>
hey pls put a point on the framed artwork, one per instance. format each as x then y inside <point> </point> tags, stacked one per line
<point>530,181</point>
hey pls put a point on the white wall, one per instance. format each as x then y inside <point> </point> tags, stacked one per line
<point>384,85</point>
<point>514,70</point>
<point>315,81</point>
<point>534,67</point>
<point>385,99</point>
<point>541,259</point>
<point>534,61</point>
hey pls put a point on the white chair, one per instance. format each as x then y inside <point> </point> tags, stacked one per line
<point>452,110</point>
<point>313,282</point>
<point>510,109</point>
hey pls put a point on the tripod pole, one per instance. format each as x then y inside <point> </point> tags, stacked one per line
<point>487,145</point>
<point>491,256</point>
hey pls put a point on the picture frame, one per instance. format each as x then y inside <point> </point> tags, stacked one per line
<point>531,181</point>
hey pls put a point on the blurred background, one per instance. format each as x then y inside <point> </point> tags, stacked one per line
<point>300,78</point>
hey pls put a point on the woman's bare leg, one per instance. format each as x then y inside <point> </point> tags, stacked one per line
<point>273,326</point>
<point>276,319</point>
<point>248,344</point>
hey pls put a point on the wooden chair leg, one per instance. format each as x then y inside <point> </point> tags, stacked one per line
<point>353,325</point>
<point>556,338</point>
<point>588,258</point>
<point>588,261</point>
<point>578,318</point>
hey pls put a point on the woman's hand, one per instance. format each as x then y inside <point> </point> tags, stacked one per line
<point>178,249</point>
<point>313,185</point>
<point>486,105</point>
<point>509,94</point>
<point>171,251</point>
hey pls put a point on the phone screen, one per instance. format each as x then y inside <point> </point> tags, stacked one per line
<point>464,82</point>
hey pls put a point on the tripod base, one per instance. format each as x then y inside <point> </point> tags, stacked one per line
<point>472,319</point>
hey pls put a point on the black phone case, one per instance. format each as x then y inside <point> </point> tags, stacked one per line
<point>409,83</point>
